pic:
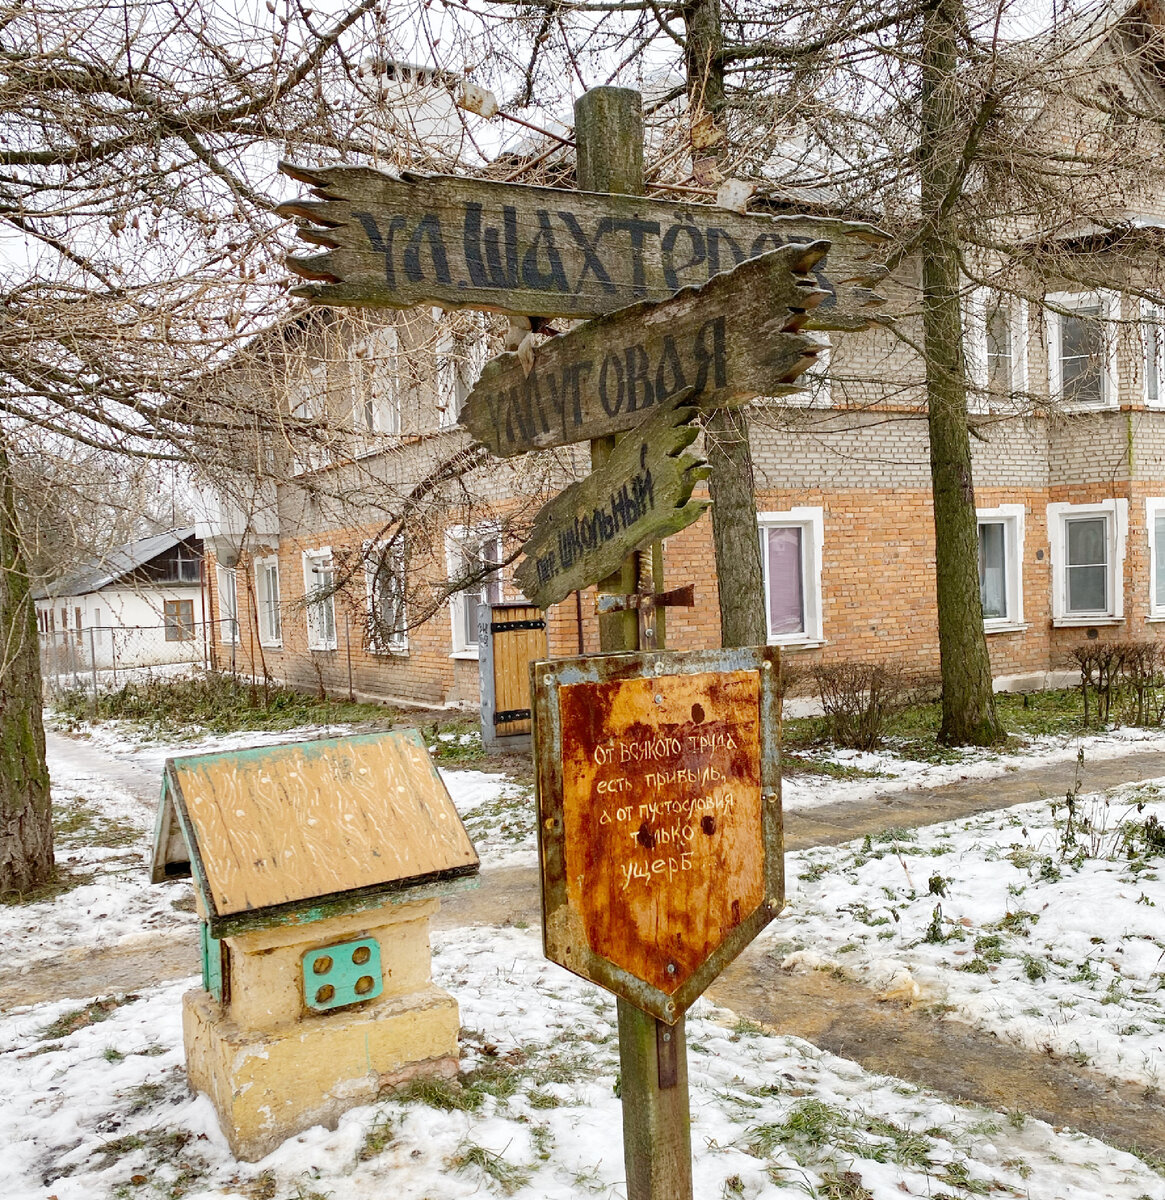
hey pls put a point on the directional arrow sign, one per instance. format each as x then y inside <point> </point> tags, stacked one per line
<point>397,241</point>
<point>642,492</point>
<point>728,341</point>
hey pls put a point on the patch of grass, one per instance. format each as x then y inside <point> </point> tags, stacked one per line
<point>93,1012</point>
<point>913,731</point>
<point>795,764</point>
<point>262,1187</point>
<point>509,818</point>
<point>989,947</point>
<point>955,1174</point>
<point>77,823</point>
<point>219,703</point>
<point>1035,968</point>
<point>813,1126</point>
<point>62,880</point>
<point>846,1186</point>
<point>381,1134</point>
<point>510,1177</point>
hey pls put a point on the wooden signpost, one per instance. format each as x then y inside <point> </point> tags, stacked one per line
<point>658,775</point>
<point>659,816</point>
<point>398,241</point>
<point>642,491</point>
<point>726,342</point>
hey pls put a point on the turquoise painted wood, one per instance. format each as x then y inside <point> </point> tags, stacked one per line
<point>343,974</point>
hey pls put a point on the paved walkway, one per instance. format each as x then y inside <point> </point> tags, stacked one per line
<point>944,1055</point>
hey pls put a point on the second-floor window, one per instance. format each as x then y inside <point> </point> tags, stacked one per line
<point>1082,349</point>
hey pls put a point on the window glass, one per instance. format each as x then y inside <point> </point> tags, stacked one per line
<point>1159,560</point>
<point>267,586</point>
<point>1082,356</point>
<point>229,604</point>
<point>785,583</point>
<point>1087,569</point>
<point>388,601</point>
<point>322,611</point>
<point>179,619</point>
<point>999,349</point>
<point>993,569</point>
<point>488,591</point>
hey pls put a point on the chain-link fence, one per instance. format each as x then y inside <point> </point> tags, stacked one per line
<point>102,657</point>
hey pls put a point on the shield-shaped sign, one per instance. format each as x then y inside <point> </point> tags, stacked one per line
<point>660,837</point>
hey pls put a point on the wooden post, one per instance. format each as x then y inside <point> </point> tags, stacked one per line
<point>657,1142</point>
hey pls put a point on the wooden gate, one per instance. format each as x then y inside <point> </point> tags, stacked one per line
<point>509,638</point>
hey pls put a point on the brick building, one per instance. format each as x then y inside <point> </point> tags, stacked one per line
<point>1069,468</point>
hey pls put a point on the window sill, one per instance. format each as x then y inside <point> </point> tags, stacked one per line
<point>465,655</point>
<point>322,649</point>
<point>798,643</point>
<point>271,645</point>
<point>1004,627</point>
<point>1107,406</point>
<point>1155,620</point>
<point>1084,622</point>
<point>392,652</point>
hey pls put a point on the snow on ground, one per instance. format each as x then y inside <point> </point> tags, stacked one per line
<point>886,773</point>
<point>103,1111</point>
<point>1050,940</point>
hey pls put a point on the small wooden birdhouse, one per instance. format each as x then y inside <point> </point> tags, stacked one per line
<point>317,867</point>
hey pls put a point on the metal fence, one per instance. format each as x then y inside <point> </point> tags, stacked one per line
<point>103,657</point>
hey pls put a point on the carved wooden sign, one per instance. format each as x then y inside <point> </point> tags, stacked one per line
<point>400,240</point>
<point>659,816</point>
<point>724,343</point>
<point>642,492</point>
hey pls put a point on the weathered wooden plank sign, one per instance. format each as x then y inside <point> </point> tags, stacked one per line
<point>643,491</point>
<point>660,835</point>
<point>276,832</point>
<point>724,343</point>
<point>396,241</point>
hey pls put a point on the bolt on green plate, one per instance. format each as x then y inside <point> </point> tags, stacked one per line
<point>347,973</point>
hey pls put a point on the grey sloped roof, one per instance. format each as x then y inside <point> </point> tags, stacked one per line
<point>113,565</point>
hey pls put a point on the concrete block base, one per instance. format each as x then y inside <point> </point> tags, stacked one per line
<point>268,1085</point>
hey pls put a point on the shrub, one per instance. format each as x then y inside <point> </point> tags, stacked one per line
<point>859,698</point>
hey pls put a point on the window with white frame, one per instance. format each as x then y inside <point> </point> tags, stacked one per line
<point>1153,366</point>
<point>1000,566</point>
<point>461,353</point>
<point>373,370</point>
<point>1082,348</point>
<point>1088,552</point>
<point>791,544</point>
<point>996,344</point>
<point>385,571</point>
<point>319,581</point>
<point>228,604</point>
<point>477,553</point>
<point>1155,527</point>
<point>267,601</point>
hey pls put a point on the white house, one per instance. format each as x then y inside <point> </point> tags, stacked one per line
<point>141,604</point>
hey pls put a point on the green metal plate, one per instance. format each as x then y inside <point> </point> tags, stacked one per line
<point>343,974</point>
<point>211,948</point>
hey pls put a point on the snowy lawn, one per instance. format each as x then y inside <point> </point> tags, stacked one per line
<point>101,1110</point>
<point>1049,937</point>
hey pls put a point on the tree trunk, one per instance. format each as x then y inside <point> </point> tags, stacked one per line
<point>26,827</point>
<point>732,485</point>
<point>968,716</point>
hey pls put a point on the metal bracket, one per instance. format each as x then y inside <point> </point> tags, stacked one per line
<point>681,597</point>
<point>512,714</point>
<point>507,626</point>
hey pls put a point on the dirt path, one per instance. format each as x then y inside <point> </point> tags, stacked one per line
<point>943,1055</point>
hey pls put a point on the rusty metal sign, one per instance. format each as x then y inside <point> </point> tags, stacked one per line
<point>660,837</point>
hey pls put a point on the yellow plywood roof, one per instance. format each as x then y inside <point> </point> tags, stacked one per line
<point>287,825</point>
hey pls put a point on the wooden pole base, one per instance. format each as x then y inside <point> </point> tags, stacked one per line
<point>657,1135</point>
